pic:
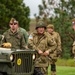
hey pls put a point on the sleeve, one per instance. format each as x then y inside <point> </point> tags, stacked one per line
<point>30,42</point>
<point>3,40</point>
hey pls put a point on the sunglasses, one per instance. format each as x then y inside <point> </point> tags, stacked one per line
<point>13,23</point>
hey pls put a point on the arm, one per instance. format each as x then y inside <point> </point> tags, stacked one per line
<point>32,45</point>
<point>30,42</point>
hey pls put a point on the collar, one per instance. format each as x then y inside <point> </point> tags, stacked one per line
<point>11,33</point>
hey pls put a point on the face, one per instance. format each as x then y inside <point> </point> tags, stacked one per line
<point>50,30</point>
<point>13,26</point>
<point>40,30</point>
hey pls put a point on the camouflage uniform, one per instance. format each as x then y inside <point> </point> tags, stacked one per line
<point>42,42</point>
<point>14,36</point>
<point>58,50</point>
<point>16,39</point>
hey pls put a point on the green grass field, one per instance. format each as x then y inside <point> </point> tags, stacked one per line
<point>64,70</point>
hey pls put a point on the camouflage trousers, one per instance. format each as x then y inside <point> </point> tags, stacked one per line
<point>41,71</point>
<point>44,70</point>
<point>52,68</point>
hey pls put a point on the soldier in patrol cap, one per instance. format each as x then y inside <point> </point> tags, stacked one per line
<point>13,36</point>
<point>57,52</point>
<point>25,34</point>
<point>43,43</point>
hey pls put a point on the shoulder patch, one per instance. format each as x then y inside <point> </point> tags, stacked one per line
<point>31,37</point>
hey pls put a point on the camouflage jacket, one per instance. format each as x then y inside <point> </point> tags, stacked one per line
<point>16,39</point>
<point>44,42</point>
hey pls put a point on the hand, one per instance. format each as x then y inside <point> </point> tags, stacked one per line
<point>26,47</point>
<point>40,52</point>
<point>46,53</point>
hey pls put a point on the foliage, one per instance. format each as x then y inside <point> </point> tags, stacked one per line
<point>62,12</point>
<point>16,9</point>
<point>64,67</point>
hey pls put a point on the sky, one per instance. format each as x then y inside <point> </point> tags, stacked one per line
<point>33,5</point>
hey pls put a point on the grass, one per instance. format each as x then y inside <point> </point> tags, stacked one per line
<point>63,70</point>
<point>64,67</point>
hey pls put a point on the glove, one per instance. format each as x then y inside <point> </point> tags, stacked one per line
<point>6,45</point>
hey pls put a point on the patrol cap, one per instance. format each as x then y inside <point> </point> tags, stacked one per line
<point>40,24</point>
<point>50,26</point>
<point>13,20</point>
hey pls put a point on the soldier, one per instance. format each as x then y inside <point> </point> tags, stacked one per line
<point>13,36</point>
<point>23,31</point>
<point>43,43</point>
<point>57,52</point>
<point>25,34</point>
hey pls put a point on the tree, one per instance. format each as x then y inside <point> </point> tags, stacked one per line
<point>62,12</point>
<point>16,9</point>
<point>65,15</point>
